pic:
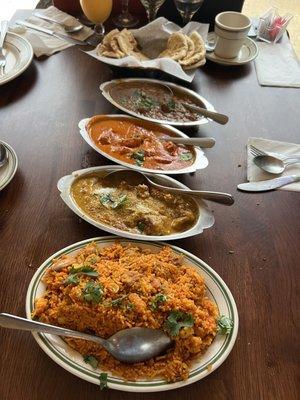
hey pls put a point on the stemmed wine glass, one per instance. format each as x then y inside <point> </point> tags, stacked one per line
<point>151,7</point>
<point>187,8</point>
<point>98,12</point>
<point>125,19</point>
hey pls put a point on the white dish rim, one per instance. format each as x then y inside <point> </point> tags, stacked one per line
<point>205,219</point>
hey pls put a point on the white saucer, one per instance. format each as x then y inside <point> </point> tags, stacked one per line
<point>248,52</point>
<point>9,169</point>
<point>19,53</point>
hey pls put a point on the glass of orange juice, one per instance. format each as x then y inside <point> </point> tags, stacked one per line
<point>97,11</point>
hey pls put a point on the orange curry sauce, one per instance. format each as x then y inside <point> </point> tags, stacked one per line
<point>137,143</point>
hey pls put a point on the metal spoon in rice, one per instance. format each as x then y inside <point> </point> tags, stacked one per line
<point>128,345</point>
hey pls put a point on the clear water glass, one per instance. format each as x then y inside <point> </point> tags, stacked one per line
<point>187,8</point>
<point>125,19</point>
<point>151,7</point>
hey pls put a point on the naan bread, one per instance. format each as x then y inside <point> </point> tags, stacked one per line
<point>177,47</point>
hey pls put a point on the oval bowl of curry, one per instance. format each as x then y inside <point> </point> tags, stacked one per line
<point>135,143</point>
<point>150,100</point>
<point>133,210</point>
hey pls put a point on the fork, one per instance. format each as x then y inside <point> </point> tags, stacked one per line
<point>4,27</point>
<point>257,152</point>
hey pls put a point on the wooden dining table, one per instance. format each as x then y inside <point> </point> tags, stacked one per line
<point>254,245</point>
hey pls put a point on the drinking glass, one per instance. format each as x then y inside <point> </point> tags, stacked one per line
<point>125,19</point>
<point>187,8</point>
<point>98,12</point>
<point>151,7</point>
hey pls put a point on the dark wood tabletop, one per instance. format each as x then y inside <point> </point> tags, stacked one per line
<point>254,245</point>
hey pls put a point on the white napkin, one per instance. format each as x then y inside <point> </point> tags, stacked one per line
<point>276,148</point>
<point>153,39</point>
<point>44,44</point>
<point>277,64</point>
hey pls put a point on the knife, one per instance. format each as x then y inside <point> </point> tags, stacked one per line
<point>52,33</point>
<point>270,184</point>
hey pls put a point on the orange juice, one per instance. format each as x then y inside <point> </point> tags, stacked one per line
<point>96,11</point>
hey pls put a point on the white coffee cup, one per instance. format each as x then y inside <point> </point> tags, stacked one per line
<point>231,29</point>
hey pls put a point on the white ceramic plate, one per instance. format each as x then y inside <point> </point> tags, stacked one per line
<point>18,52</point>
<point>73,362</point>
<point>248,52</point>
<point>200,161</point>
<point>205,219</point>
<point>104,87</point>
<point>7,172</point>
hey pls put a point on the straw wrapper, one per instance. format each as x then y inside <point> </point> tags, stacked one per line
<point>153,38</point>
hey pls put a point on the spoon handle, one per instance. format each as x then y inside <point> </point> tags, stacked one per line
<point>15,322</point>
<point>217,197</point>
<point>215,116</point>
<point>45,18</point>
<point>202,142</point>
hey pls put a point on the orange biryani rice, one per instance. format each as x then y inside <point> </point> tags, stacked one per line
<point>124,287</point>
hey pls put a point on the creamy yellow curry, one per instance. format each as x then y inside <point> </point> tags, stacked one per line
<point>136,208</point>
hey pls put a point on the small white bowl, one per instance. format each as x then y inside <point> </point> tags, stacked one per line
<point>205,219</point>
<point>200,161</point>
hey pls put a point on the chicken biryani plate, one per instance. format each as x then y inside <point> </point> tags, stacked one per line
<point>103,285</point>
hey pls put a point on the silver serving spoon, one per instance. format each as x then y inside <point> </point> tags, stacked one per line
<point>128,345</point>
<point>67,28</point>
<point>205,143</point>
<point>274,165</point>
<point>3,155</point>
<point>215,116</point>
<point>137,177</point>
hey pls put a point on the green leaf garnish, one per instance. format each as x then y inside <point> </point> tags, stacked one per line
<point>118,302</point>
<point>171,104</point>
<point>177,320</point>
<point>103,380</point>
<point>113,202</point>
<point>224,325</point>
<point>186,156</point>
<point>139,157</point>
<point>84,270</point>
<point>105,199</point>
<point>141,226</point>
<point>158,299</point>
<point>72,279</point>
<point>91,360</point>
<point>93,292</point>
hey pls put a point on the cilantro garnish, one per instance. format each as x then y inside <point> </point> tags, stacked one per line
<point>139,157</point>
<point>108,201</point>
<point>73,278</point>
<point>224,325</point>
<point>103,380</point>
<point>158,299</point>
<point>91,360</point>
<point>141,226</point>
<point>177,320</point>
<point>93,292</point>
<point>118,302</point>
<point>186,156</point>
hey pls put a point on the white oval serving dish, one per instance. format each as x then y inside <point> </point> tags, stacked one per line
<point>200,161</point>
<point>204,221</point>
<point>104,87</point>
<point>72,361</point>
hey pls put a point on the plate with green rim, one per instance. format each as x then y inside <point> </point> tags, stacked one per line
<point>73,362</point>
<point>8,170</point>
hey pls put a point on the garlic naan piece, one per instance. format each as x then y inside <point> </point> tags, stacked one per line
<point>199,52</point>
<point>177,47</point>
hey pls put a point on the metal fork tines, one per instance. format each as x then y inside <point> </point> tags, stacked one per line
<point>4,27</point>
<point>255,151</point>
